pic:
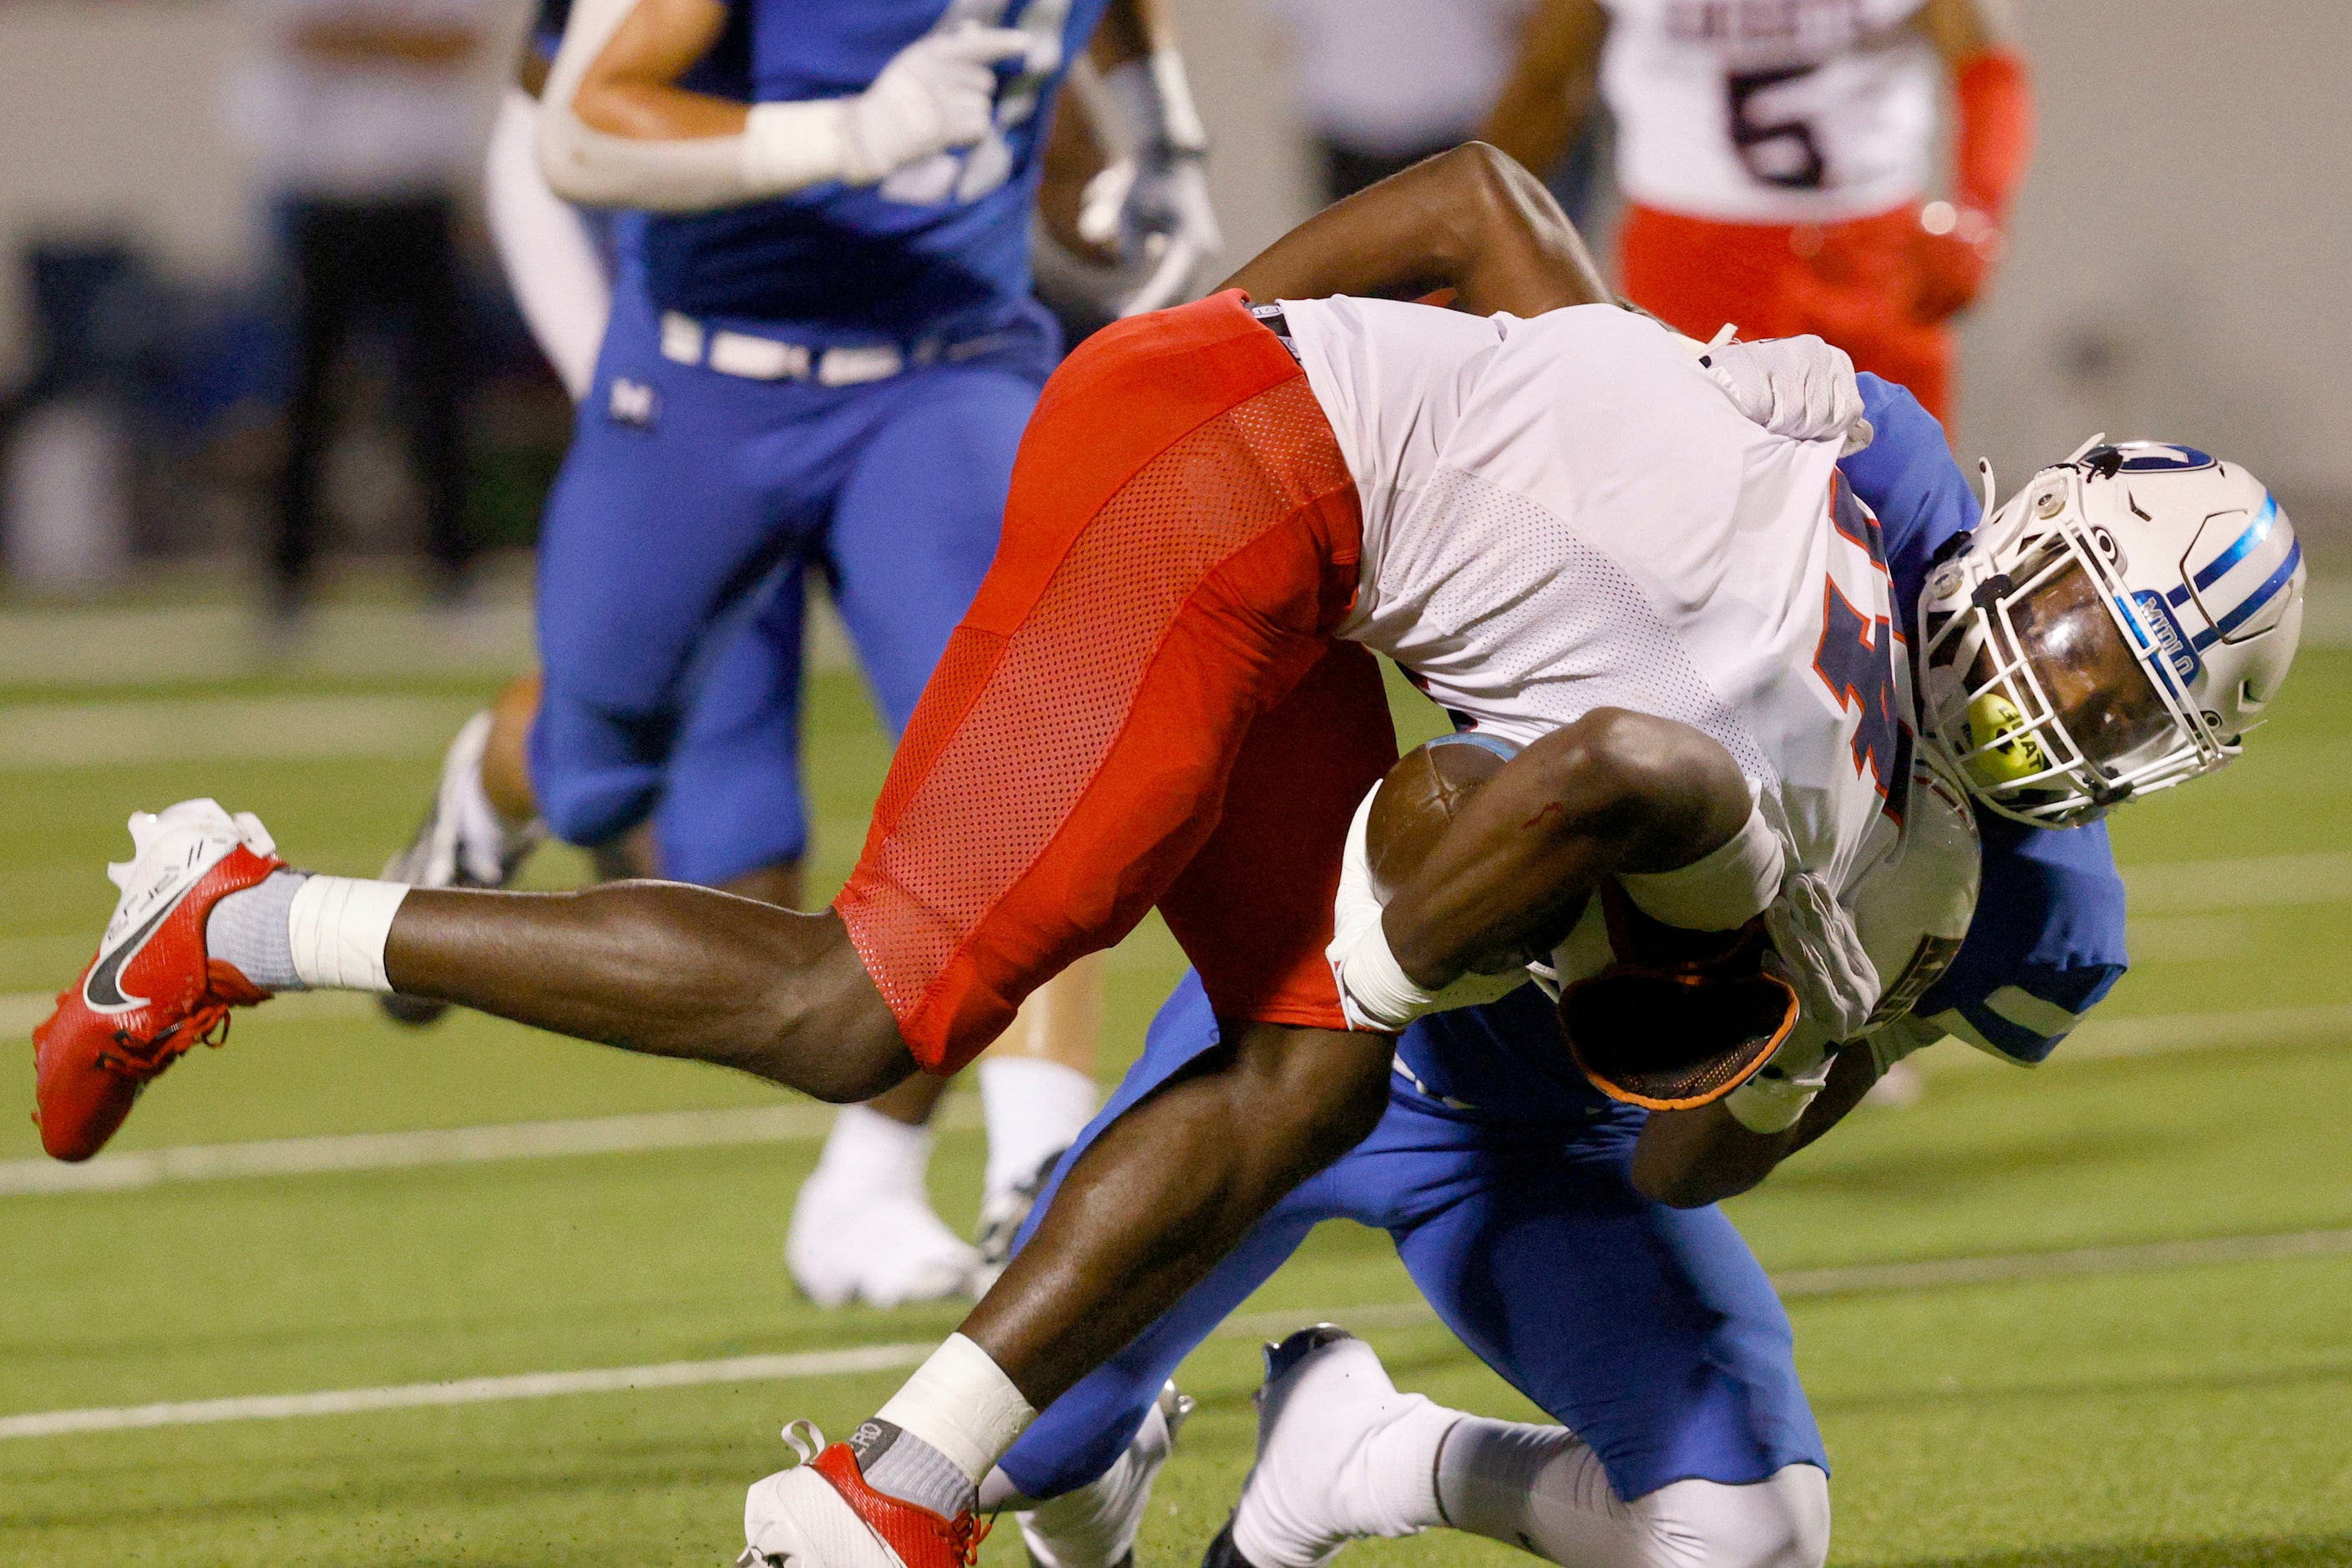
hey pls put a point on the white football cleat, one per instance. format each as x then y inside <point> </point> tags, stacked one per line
<point>1328,1423</point>
<point>461,843</point>
<point>1002,1216</point>
<point>849,1242</point>
<point>1096,1525</point>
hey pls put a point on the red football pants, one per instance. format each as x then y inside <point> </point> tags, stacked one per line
<point>1144,705</point>
<point>1851,283</point>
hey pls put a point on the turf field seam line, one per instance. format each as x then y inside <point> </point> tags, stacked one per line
<point>355,1152</point>
<point>2135,1257</point>
<point>1854,1279</point>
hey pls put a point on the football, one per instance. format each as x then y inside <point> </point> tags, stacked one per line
<point>1424,792</point>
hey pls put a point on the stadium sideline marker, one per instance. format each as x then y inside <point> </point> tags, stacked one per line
<point>1852,1279</point>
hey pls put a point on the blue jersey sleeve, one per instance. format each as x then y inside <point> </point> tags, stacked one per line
<point>2048,938</point>
<point>1907,477</point>
<point>2047,942</point>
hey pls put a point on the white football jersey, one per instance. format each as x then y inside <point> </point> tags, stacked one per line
<point>1567,513</point>
<point>1771,110</point>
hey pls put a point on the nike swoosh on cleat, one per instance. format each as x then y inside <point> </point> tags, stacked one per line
<point>106,972</point>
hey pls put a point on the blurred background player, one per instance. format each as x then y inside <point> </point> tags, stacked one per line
<point>557,258</point>
<point>1775,158</point>
<point>827,367</point>
<point>366,117</point>
<point>1381,84</point>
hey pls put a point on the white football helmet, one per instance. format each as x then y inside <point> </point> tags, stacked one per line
<point>2114,627</point>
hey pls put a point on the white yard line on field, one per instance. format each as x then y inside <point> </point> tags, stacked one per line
<point>799,1122</point>
<point>1852,1280</point>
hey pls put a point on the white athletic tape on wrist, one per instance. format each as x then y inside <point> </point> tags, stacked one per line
<point>961,1402</point>
<point>1374,989</point>
<point>1764,1105</point>
<point>337,927</point>
<point>1730,886</point>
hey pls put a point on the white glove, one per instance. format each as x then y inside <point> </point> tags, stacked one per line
<point>1820,953</point>
<point>1375,992</point>
<point>935,94</point>
<point>1799,387</point>
<point>1153,206</point>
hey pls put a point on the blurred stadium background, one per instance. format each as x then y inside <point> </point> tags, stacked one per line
<point>2094,1315</point>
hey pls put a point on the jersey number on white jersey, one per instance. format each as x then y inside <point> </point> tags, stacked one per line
<point>1856,659</point>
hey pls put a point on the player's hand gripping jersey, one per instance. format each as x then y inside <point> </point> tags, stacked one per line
<point>1567,513</point>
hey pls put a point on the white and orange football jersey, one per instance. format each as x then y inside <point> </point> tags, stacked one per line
<point>1772,111</point>
<point>1568,512</point>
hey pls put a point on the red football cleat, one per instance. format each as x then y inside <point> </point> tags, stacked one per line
<point>151,993</point>
<point>822,1514</point>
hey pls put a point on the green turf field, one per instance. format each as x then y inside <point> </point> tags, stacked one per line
<point>2188,1407</point>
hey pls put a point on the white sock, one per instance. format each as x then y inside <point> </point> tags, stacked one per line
<point>1543,1489</point>
<point>961,1402</point>
<point>880,1154</point>
<point>1034,1108</point>
<point>337,927</point>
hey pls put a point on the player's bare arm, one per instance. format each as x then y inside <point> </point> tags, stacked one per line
<point>631,88</point>
<point>1553,82</point>
<point>1614,792</point>
<point>1470,220</point>
<point>1692,1158</point>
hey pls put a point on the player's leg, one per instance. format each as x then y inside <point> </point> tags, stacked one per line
<point>732,815</point>
<point>1147,1210</point>
<point>1071,765</point>
<point>326,283</point>
<point>1650,1333</point>
<point>913,532</point>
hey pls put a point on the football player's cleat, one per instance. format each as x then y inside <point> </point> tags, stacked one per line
<point>849,1242</point>
<point>151,993</point>
<point>2115,627</point>
<point>1002,1216</point>
<point>461,843</point>
<point>822,1514</point>
<point>1324,1411</point>
<point>1096,1525</point>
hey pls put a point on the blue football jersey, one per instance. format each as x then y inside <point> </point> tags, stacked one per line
<point>2047,940</point>
<point>942,245</point>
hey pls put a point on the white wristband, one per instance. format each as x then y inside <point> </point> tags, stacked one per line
<point>1731,886</point>
<point>338,926</point>
<point>961,1402</point>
